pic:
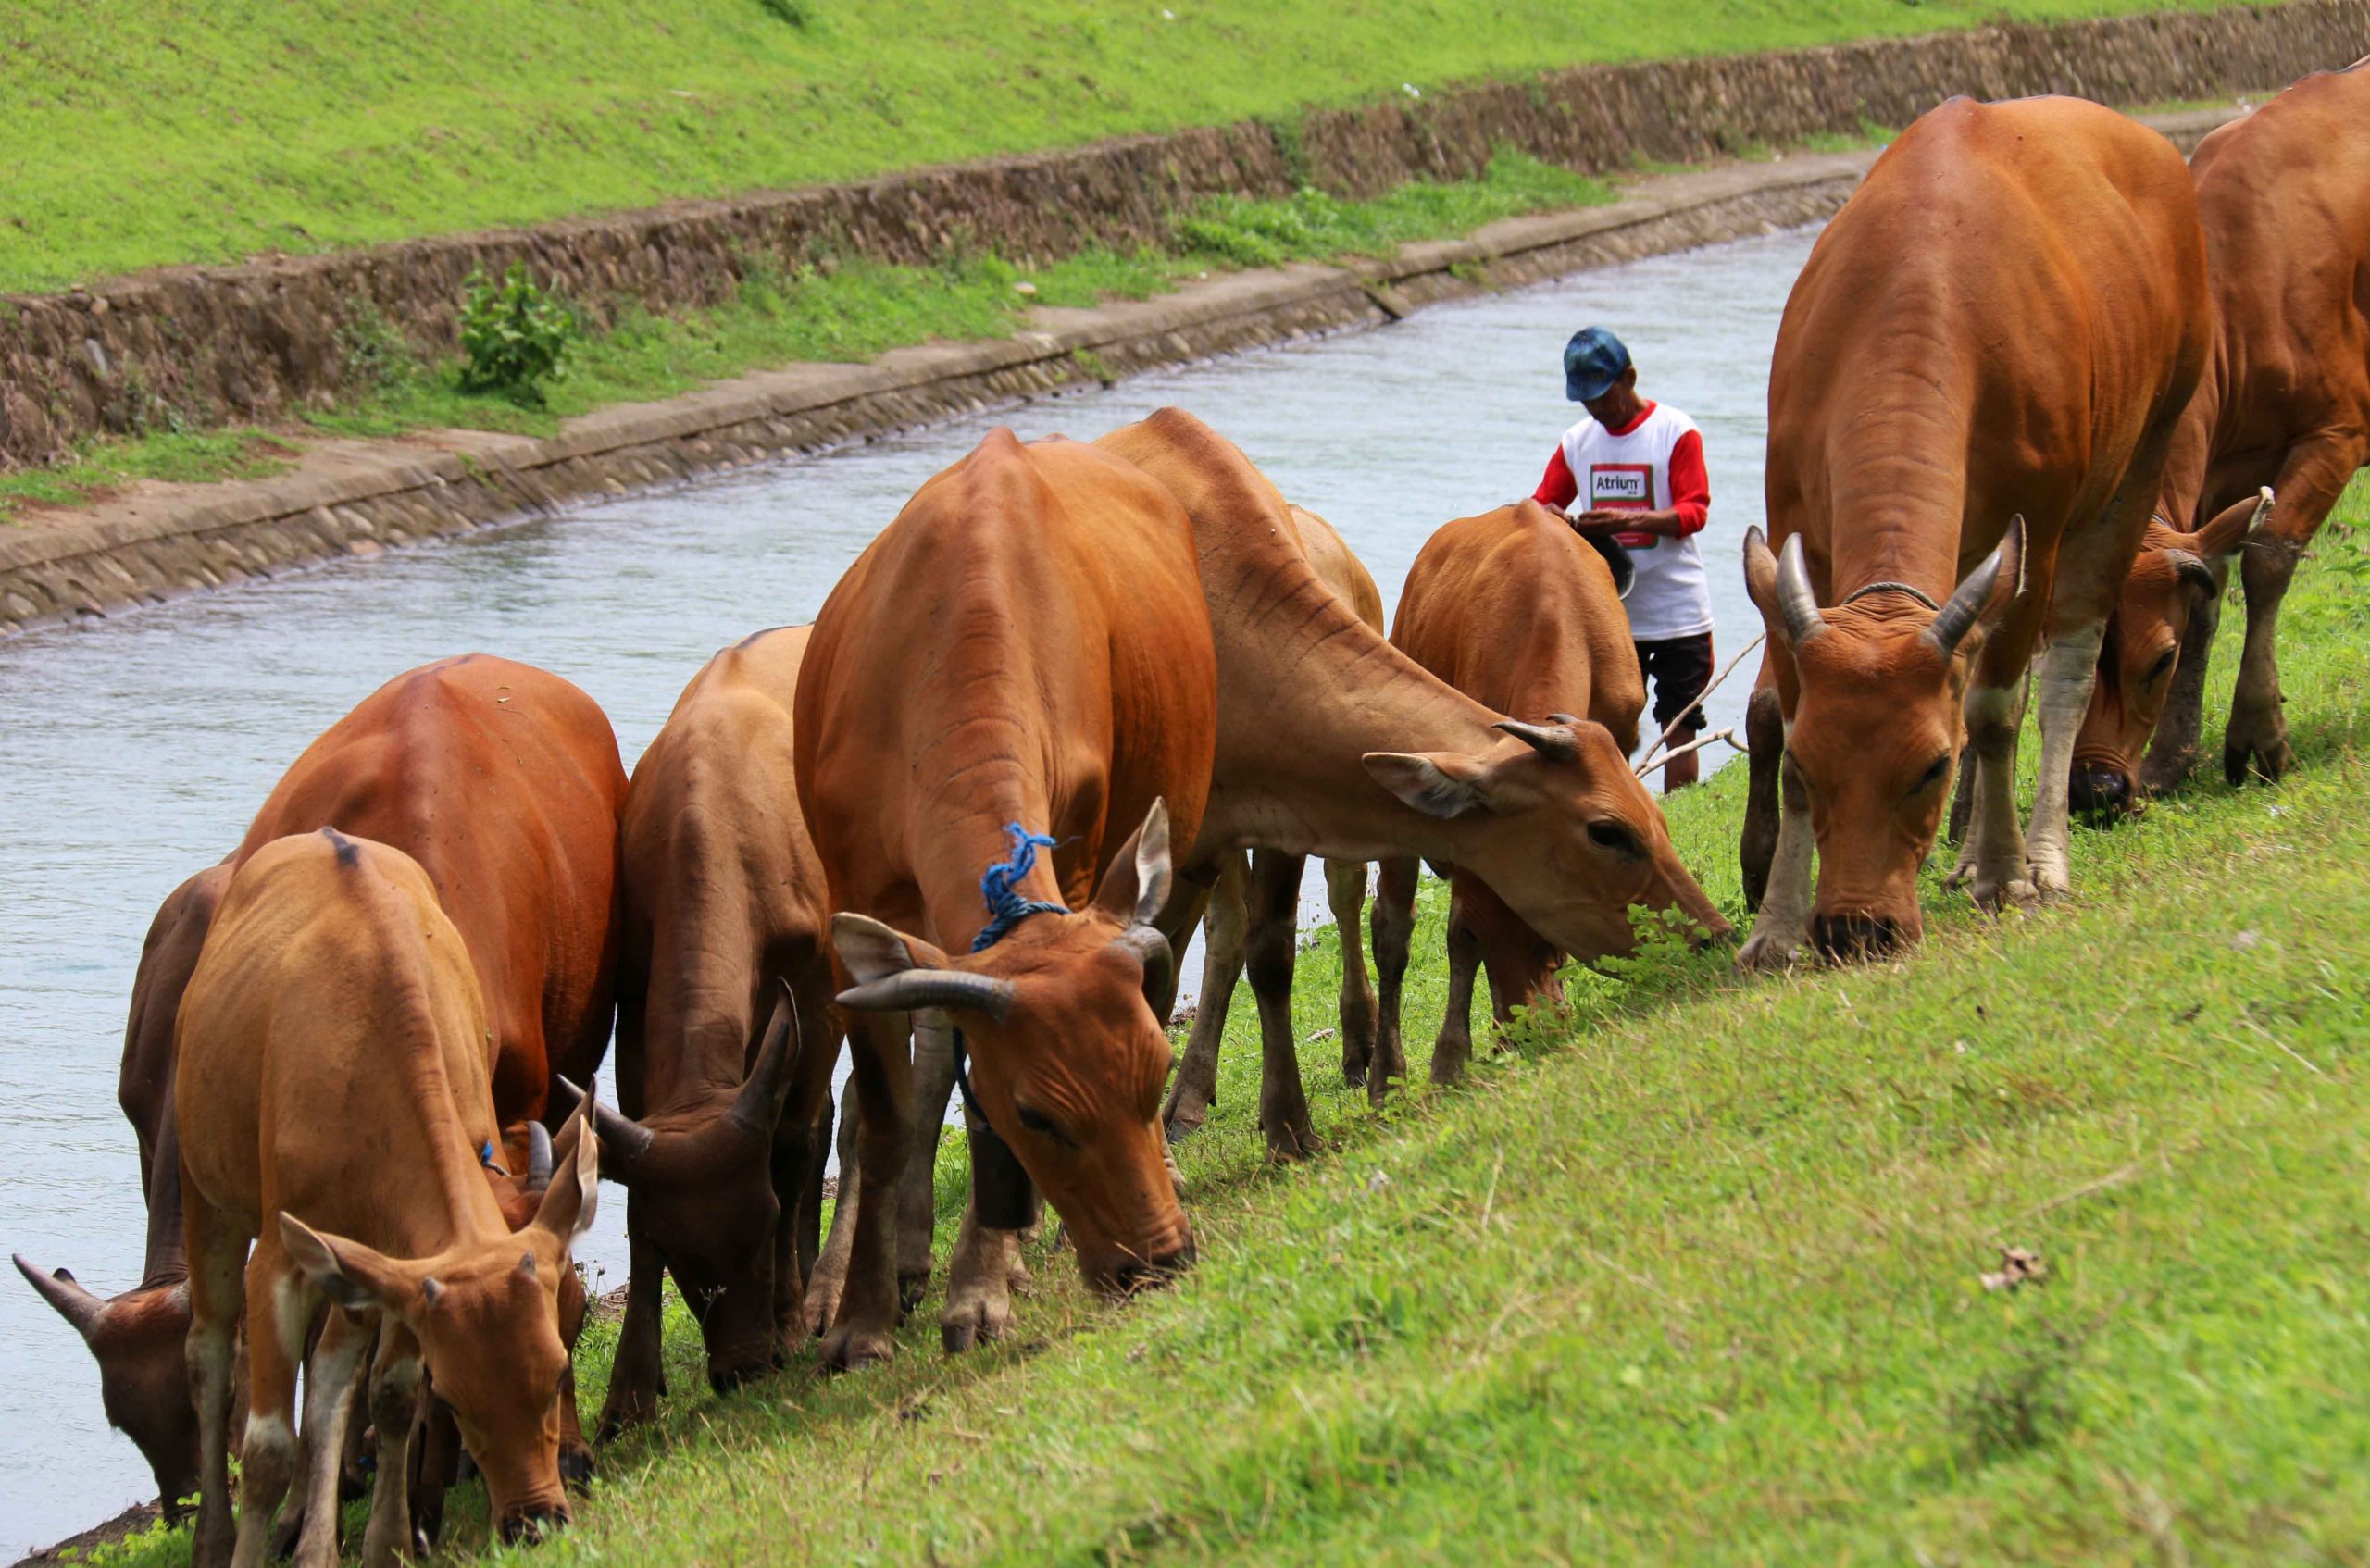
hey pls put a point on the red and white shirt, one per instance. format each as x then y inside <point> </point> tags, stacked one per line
<point>1654,462</point>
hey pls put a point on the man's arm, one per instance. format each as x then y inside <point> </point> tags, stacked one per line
<point>1558,489</point>
<point>1691,500</point>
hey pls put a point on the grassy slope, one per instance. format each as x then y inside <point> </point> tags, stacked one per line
<point>1692,1276</point>
<point>143,132</point>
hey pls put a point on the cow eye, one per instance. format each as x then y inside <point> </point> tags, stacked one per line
<point>2163,667</point>
<point>1613,836</point>
<point>1044,1125</point>
<point>1935,773</point>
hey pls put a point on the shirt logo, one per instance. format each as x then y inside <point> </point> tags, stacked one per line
<point>1628,485</point>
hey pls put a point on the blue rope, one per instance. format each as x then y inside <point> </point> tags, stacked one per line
<point>1005,910</point>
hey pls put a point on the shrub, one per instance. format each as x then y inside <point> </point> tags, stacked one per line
<point>515,337</point>
<point>797,13</point>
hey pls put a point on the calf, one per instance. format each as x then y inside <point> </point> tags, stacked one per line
<point>333,1093</point>
<point>1975,386</point>
<point>1514,610</point>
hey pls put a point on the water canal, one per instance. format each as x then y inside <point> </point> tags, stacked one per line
<point>135,749</point>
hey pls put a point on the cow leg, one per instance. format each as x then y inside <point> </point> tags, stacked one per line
<point>329,1376</point>
<point>2309,484</point>
<point>217,1255</point>
<point>395,1412</point>
<point>1782,927</point>
<point>1345,893</point>
<point>917,1198</point>
<point>2068,668</point>
<point>1283,1105</point>
<point>829,1276</point>
<point>980,1278</point>
<point>436,1469</point>
<point>279,1310</point>
<point>864,1326</point>
<point>1764,731</point>
<point>2172,750</point>
<point>1520,965</point>
<point>1452,1047</point>
<point>636,1374</point>
<point>1395,934</point>
<point>1196,1088</point>
<point>1992,858</point>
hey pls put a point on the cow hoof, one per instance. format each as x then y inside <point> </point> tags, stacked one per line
<point>1293,1143</point>
<point>576,1468</point>
<point>2014,892</point>
<point>1353,1077</point>
<point>848,1348</point>
<point>1767,954</point>
<point>911,1287</point>
<point>627,1409</point>
<point>1185,1121</point>
<point>2161,778</point>
<point>985,1316</point>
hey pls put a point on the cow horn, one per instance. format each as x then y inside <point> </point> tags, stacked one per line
<point>1796,603</point>
<point>1550,741</point>
<point>1955,620</point>
<point>1565,718</point>
<point>910,990</point>
<point>1151,950</point>
<point>758,1105</point>
<point>2190,567</point>
<point>623,1139</point>
<point>539,1157</point>
<point>75,1305</point>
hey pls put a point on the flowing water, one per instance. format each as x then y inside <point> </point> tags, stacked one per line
<point>134,750</point>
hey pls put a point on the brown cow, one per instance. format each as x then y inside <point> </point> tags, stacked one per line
<point>1315,709</point>
<point>1019,661</point>
<point>138,1338</point>
<point>724,905</point>
<point>1514,610</point>
<point>1225,924</point>
<point>503,782</point>
<point>1976,382</point>
<point>333,1091</point>
<point>2284,404</point>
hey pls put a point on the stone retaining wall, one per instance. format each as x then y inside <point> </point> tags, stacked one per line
<point>255,342</point>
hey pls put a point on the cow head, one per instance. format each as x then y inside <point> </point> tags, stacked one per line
<point>486,1313</point>
<point>1559,826</point>
<point>140,1340</point>
<point>701,1181</point>
<point>2175,575</point>
<point>1876,725</point>
<point>1067,1057</point>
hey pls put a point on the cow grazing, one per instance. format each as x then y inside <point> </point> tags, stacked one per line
<point>1975,386</point>
<point>1514,610</point>
<point>1331,742</point>
<point>334,1092</point>
<point>1225,924</point>
<point>138,1337</point>
<point>2284,405</point>
<point>1021,661</point>
<point>724,907</point>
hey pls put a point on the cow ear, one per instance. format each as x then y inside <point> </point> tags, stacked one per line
<point>574,1194</point>
<point>2232,526</point>
<point>1135,888</point>
<point>873,951</point>
<point>1441,784</point>
<point>348,1273</point>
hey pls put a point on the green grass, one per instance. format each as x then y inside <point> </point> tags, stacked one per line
<point>144,132</point>
<point>853,311</point>
<point>1690,1274</point>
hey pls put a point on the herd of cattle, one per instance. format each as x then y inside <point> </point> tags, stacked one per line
<point>2038,383</point>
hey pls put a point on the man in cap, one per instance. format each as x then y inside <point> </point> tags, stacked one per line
<point>1633,472</point>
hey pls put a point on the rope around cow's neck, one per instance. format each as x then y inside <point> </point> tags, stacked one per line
<point>1006,909</point>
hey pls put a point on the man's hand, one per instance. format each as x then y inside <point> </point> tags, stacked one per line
<point>1605,520</point>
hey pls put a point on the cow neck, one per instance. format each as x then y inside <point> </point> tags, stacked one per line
<point>1305,690</point>
<point>2189,464</point>
<point>1898,510</point>
<point>969,840</point>
<point>441,1139</point>
<point>707,939</point>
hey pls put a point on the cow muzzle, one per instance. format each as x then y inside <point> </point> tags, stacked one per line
<point>1139,1275</point>
<point>533,1522</point>
<point>2101,792</point>
<point>1847,938</point>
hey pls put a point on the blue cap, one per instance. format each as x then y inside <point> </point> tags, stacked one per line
<point>1593,360</point>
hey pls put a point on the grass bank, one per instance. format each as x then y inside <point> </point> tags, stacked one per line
<point>141,135</point>
<point>845,311</point>
<point>1692,1273</point>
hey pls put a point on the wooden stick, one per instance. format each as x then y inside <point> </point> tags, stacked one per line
<point>1664,738</point>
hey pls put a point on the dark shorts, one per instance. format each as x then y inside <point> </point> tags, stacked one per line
<point>1678,668</point>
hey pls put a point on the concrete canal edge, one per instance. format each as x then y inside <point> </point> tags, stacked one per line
<point>359,498</point>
